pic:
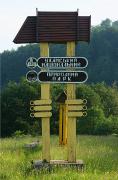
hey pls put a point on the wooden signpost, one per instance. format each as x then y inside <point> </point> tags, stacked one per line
<point>45,28</point>
<point>45,95</point>
<point>71,123</point>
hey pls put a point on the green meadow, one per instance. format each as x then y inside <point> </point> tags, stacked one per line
<point>99,153</point>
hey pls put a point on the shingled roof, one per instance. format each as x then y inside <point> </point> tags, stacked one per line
<point>54,27</point>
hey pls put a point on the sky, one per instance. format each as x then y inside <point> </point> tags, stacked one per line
<point>14,12</point>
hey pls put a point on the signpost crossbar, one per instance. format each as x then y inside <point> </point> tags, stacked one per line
<point>41,102</point>
<point>40,108</point>
<point>75,101</point>
<point>76,108</point>
<point>41,114</point>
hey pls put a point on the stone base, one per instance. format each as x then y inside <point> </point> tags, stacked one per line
<point>39,164</point>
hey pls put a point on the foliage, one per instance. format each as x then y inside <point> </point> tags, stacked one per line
<point>15,107</point>
<point>102,98</point>
<point>102,106</point>
<point>94,120</point>
<point>102,54</point>
<point>18,134</point>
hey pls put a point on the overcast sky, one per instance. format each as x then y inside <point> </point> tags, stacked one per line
<point>14,12</point>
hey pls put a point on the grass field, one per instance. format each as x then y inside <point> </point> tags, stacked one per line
<point>100,154</point>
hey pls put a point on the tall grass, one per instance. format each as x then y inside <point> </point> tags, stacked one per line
<point>99,153</point>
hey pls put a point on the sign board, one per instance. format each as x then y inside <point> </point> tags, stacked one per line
<point>31,76</point>
<point>62,62</point>
<point>31,62</point>
<point>62,76</point>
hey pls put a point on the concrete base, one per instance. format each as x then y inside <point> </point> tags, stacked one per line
<point>39,164</point>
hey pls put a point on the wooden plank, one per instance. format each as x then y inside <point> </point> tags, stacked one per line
<point>40,108</point>
<point>76,108</point>
<point>45,94</point>
<point>76,101</point>
<point>71,122</point>
<point>75,114</point>
<point>41,114</point>
<point>41,102</point>
<point>41,165</point>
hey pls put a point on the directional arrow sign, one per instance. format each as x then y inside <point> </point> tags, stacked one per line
<point>62,76</point>
<point>62,62</point>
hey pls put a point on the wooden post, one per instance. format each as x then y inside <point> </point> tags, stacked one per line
<point>71,122</point>
<point>45,94</point>
<point>60,123</point>
<point>64,125</point>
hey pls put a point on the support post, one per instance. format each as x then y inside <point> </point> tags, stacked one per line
<point>60,123</point>
<point>64,125</point>
<point>71,122</point>
<point>45,94</point>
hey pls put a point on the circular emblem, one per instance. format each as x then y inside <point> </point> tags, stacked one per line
<point>31,76</point>
<point>31,62</point>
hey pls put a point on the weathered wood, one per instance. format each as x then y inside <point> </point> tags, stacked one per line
<point>41,114</point>
<point>40,108</point>
<point>41,102</point>
<point>71,122</point>
<point>76,101</point>
<point>45,95</point>
<point>62,125</point>
<point>40,165</point>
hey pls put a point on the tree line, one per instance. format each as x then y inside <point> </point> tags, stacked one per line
<point>101,90</point>
<point>102,108</point>
<point>102,55</point>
